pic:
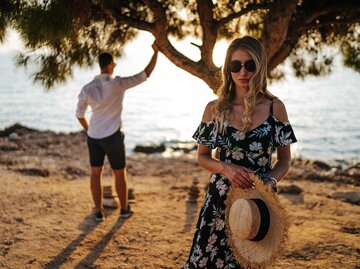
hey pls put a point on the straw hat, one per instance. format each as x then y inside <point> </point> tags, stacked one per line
<point>256,225</point>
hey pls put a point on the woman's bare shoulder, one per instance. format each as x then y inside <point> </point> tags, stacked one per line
<point>208,112</point>
<point>279,110</point>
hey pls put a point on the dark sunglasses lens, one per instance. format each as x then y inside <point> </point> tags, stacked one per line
<point>250,65</point>
<point>235,66</point>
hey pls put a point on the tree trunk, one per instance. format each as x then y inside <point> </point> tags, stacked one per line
<point>276,29</point>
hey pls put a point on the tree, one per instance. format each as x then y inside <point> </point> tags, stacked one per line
<point>73,32</point>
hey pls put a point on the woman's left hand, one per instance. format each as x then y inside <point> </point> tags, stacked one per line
<point>271,184</point>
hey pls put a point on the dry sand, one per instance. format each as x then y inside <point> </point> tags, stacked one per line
<point>46,216</point>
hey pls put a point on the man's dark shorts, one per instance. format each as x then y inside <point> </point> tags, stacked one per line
<point>112,146</point>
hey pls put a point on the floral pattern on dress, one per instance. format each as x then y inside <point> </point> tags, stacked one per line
<point>251,149</point>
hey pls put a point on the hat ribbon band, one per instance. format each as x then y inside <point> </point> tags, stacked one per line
<point>265,220</point>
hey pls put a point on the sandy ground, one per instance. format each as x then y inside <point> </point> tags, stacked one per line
<point>46,216</point>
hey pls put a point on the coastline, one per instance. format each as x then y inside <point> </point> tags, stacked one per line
<point>172,149</point>
<point>46,221</point>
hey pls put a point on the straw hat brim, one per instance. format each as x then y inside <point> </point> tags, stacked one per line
<point>258,254</point>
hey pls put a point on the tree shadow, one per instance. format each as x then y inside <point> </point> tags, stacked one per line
<point>191,206</point>
<point>89,260</point>
<point>87,226</point>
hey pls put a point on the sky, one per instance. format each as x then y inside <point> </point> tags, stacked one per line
<point>13,42</point>
<point>177,85</point>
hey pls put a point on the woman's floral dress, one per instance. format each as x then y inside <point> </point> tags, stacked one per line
<point>251,149</point>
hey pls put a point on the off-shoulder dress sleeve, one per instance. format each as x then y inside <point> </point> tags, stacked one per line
<point>206,134</point>
<point>284,134</point>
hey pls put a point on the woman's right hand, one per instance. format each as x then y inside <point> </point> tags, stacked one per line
<point>238,175</point>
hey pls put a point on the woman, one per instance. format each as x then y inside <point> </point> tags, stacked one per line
<point>244,124</point>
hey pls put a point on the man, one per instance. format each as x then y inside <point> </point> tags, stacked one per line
<point>105,96</point>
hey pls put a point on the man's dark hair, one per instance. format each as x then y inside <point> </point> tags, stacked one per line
<point>105,59</point>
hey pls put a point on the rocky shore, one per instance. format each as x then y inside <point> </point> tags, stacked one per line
<point>46,221</point>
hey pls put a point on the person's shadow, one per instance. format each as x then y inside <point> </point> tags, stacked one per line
<point>89,260</point>
<point>87,226</point>
<point>191,206</point>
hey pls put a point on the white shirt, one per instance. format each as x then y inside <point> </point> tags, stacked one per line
<point>105,96</point>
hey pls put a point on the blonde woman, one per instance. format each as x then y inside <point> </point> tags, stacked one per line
<point>244,124</point>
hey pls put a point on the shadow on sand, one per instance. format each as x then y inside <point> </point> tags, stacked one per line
<point>191,206</point>
<point>87,226</point>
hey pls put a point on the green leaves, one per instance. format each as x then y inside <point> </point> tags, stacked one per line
<point>61,34</point>
<point>9,10</point>
<point>350,48</point>
<point>351,53</point>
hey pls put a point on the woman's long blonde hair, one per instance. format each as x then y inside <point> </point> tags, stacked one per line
<point>257,84</point>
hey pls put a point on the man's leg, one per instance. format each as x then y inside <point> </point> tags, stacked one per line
<point>95,185</point>
<point>121,187</point>
<point>97,156</point>
<point>115,150</point>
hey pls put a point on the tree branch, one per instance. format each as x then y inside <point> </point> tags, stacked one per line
<point>159,13</point>
<point>301,24</point>
<point>277,21</point>
<point>324,23</point>
<point>314,12</point>
<point>135,23</point>
<point>141,25</point>
<point>208,73</point>
<point>209,30</point>
<point>250,7</point>
<point>287,46</point>
<point>104,9</point>
<point>196,45</point>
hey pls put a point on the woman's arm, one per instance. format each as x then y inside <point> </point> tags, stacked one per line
<point>238,175</point>
<point>282,164</point>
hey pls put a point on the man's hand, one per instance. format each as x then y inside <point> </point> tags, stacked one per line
<point>155,47</point>
<point>150,67</point>
<point>84,123</point>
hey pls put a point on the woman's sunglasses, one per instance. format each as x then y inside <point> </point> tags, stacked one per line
<point>235,66</point>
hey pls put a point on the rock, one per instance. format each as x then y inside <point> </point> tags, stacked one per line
<point>150,149</point>
<point>321,166</point>
<point>20,129</point>
<point>7,161</point>
<point>13,136</point>
<point>131,195</point>
<point>353,171</point>
<point>349,197</point>
<point>290,189</point>
<point>111,202</point>
<point>34,172</point>
<point>350,230</point>
<point>8,146</point>
<point>186,148</point>
<point>357,166</point>
<point>19,219</point>
<point>317,177</point>
<point>299,162</point>
<point>75,171</point>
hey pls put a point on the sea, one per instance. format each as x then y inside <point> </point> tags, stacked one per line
<point>167,108</point>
